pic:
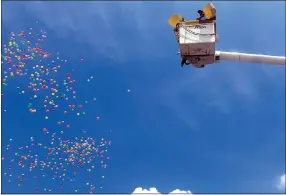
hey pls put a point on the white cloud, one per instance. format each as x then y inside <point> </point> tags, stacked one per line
<point>281,182</point>
<point>177,191</point>
<point>140,190</point>
<point>146,191</point>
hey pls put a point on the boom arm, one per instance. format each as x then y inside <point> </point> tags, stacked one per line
<point>253,58</point>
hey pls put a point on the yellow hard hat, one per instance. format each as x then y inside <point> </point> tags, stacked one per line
<point>175,19</point>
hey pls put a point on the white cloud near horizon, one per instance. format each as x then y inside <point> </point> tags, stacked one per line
<point>281,183</point>
<point>153,190</point>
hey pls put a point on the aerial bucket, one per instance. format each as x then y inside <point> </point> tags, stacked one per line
<point>175,19</point>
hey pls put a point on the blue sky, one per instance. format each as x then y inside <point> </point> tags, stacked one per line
<point>220,129</point>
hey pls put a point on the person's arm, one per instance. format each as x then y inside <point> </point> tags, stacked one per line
<point>201,16</point>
